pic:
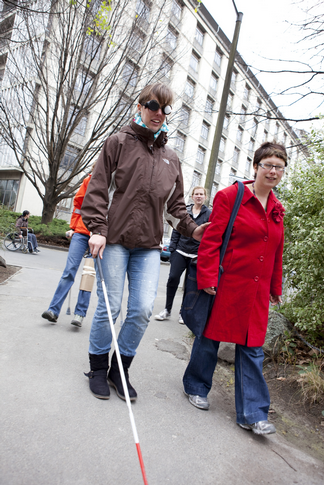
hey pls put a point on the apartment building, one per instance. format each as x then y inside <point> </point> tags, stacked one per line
<point>192,57</point>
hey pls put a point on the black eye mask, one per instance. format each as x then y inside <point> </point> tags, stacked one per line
<point>154,106</point>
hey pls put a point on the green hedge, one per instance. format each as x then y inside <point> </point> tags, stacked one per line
<point>303,257</point>
<point>57,227</point>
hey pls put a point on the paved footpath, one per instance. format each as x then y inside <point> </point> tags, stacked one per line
<point>54,432</point>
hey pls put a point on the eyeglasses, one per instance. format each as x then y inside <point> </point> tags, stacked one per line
<point>154,106</point>
<point>268,167</point>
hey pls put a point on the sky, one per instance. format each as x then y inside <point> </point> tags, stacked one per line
<point>268,40</point>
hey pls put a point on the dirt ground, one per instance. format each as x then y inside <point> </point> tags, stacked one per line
<point>62,242</point>
<point>5,273</point>
<point>300,423</point>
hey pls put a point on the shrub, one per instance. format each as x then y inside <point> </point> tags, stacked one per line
<point>57,227</point>
<point>303,259</point>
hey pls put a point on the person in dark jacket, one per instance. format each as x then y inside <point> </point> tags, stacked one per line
<point>183,249</point>
<point>136,178</point>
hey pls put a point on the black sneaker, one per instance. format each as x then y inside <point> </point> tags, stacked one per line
<point>50,316</point>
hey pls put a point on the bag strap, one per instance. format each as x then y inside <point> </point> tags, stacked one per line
<point>228,231</point>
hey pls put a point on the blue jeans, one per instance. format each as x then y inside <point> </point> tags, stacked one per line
<point>33,241</point>
<point>252,398</point>
<point>142,267</point>
<point>78,246</point>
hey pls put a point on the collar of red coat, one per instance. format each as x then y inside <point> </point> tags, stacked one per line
<point>272,200</point>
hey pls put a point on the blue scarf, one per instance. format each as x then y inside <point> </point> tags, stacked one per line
<point>138,120</point>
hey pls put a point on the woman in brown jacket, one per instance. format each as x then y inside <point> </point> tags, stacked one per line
<point>136,178</point>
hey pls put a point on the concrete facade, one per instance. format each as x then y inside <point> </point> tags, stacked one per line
<point>194,56</point>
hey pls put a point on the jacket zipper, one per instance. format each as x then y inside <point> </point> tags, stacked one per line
<point>152,151</point>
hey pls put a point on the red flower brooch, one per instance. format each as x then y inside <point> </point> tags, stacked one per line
<point>278,212</point>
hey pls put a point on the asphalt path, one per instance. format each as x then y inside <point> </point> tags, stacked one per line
<point>54,432</point>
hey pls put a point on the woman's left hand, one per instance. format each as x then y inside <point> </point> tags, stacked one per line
<point>211,290</point>
<point>275,300</point>
<point>199,231</point>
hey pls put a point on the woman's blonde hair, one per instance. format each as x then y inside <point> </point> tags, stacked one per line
<point>162,93</point>
<point>198,187</point>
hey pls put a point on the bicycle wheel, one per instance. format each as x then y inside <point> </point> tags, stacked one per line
<point>12,241</point>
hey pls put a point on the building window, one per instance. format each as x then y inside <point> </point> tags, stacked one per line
<point>243,114</point>
<point>213,192</point>
<point>251,145</point>
<point>218,167</point>
<point>277,130</point>
<point>236,156</point>
<point>204,130</point>
<point>247,92</point>
<point>254,127</point>
<point>222,144</point>
<point>92,47</point>
<point>196,179</point>
<point>232,176</point>
<point>213,82</point>
<point>258,106</point>
<point>180,141</point>
<point>171,38</point>
<point>184,116</point>
<point>265,136</point>
<point>284,139</point>
<point>81,126</point>
<point>199,37</point>
<point>83,82</point>
<point>229,102</point>
<point>165,68</point>
<point>267,123</point>
<point>233,79</point>
<point>130,74</point>
<point>142,10</point>
<point>226,122</point>
<point>65,204</point>
<point>248,166</point>
<point>200,155</point>
<point>209,108</point>
<point>69,158</point>
<point>124,107</point>
<point>218,57</point>
<point>176,10</point>
<point>239,134</point>
<point>136,42</point>
<point>189,88</point>
<point>8,193</point>
<point>194,62</point>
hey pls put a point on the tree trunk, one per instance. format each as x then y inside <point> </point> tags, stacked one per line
<point>48,209</point>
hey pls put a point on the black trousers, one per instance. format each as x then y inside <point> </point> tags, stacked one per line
<point>179,264</point>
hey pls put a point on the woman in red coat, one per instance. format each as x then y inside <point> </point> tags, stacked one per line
<point>252,275</point>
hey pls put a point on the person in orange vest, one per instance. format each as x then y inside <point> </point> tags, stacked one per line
<point>78,246</point>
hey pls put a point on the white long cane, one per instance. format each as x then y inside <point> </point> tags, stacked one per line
<point>122,373</point>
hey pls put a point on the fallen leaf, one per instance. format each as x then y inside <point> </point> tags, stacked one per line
<point>281,378</point>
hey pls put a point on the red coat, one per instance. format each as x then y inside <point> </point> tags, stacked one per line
<point>252,266</point>
<point>76,222</point>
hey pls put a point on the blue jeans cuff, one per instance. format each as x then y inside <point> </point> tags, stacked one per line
<point>251,418</point>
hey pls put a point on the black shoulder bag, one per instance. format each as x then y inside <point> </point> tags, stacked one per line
<point>197,304</point>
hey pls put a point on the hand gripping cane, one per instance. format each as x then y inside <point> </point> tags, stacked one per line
<point>121,371</point>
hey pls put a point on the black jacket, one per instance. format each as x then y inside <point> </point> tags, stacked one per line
<point>188,244</point>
